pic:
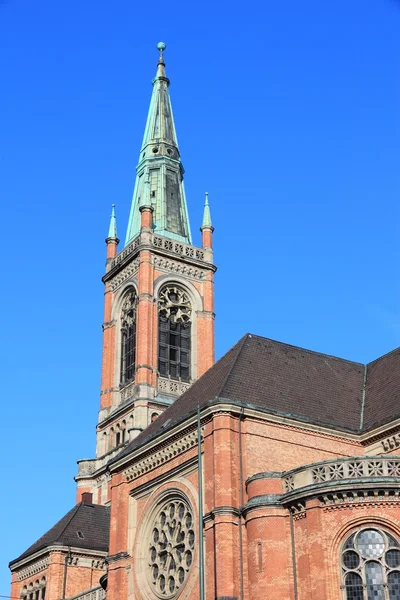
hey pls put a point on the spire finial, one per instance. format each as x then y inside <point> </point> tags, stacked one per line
<point>206,214</point>
<point>112,232</point>
<point>161,64</point>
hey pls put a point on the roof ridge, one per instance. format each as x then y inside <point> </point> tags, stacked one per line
<point>74,511</point>
<point>314,352</point>
<point>383,356</point>
<point>240,344</point>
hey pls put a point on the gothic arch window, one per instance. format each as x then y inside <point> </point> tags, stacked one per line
<point>174,333</point>
<point>371,566</point>
<point>128,338</point>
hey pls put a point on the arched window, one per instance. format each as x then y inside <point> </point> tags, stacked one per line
<point>128,338</point>
<point>371,566</point>
<point>174,331</point>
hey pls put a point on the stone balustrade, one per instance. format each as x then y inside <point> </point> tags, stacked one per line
<point>96,593</point>
<point>353,468</point>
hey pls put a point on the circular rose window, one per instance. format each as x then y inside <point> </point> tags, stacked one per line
<point>171,547</point>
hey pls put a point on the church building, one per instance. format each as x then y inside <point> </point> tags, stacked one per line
<point>272,473</point>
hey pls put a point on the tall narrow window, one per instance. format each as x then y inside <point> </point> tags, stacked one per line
<point>371,566</point>
<point>174,331</point>
<point>128,339</point>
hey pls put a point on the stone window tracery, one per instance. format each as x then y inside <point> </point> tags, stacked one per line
<point>371,566</point>
<point>128,338</point>
<point>171,547</point>
<point>174,330</point>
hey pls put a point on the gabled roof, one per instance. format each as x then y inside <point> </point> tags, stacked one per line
<point>85,526</point>
<point>382,393</point>
<point>286,380</point>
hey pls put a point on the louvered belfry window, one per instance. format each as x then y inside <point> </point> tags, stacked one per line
<point>174,331</point>
<point>128,338</point>
<point>371,566</point>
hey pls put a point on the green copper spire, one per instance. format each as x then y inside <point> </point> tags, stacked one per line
<point>112,231</point>
<point>159,173</point>
<point>206,214</point>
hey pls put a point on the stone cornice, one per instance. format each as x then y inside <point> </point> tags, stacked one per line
<point>236,408</point>
<point>116,557</point>
<point>14,566</point>
<point>230,511</point>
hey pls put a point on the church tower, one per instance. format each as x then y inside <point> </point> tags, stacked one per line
<point>158,330</point>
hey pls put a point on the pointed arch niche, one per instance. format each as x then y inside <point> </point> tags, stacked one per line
<point>174,333</point>
<point>178,304</point>
<point>127,336</point>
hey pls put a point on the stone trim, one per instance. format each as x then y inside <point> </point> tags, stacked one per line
<point>231,511</point>
<point>262,501</point>
<point>115,557</point>
<point>34,568</point>
<point>152,461</point>
<point>172,266</point>
<point>265,475</point>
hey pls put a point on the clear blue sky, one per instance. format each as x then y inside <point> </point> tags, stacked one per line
<point>287,114</point>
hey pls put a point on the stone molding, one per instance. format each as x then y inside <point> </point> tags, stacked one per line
<point>34,568</point>
<point>172,266</point>
<point>230,511</point>
<point>156,459</point>
<point>170,386</point>
<point>126,273</point>
<point>115,557</point>
<point>361,467</point>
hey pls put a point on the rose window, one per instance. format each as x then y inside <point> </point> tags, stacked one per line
<point>371,566</point>
<point>171,548</point>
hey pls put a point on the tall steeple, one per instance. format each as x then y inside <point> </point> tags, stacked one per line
<point>159,173</point>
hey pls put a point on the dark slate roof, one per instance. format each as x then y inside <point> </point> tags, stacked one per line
<point>382,394</point>
<point>286,380</point>
<point>91,520</point>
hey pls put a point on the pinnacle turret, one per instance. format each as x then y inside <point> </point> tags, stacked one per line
<point>112,231</point>
<point>160,165</point>
<point>206,214</point>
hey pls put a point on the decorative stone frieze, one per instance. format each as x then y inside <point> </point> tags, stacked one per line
<point>391,442</point>
<point>169,386</point>
<point>32,569</point>
<point>127,272</point>
<point>178,248</point>
<point>336,470</point>
<point>154,460</point>
<point>360,498</point>
<point>172,266</point>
